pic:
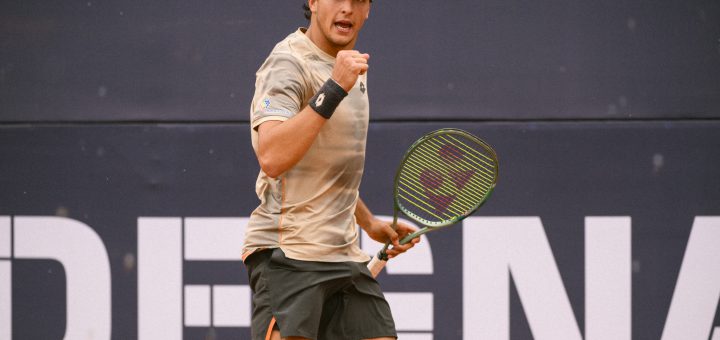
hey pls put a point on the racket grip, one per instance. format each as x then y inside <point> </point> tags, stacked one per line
<point>376,265</point>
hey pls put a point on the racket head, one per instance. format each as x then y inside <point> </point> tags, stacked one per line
<point>445,176</point>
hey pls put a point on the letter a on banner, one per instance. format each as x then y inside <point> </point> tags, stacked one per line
<point>697,291</point>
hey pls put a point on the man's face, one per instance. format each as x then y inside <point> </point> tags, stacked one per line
<point>339,21</point>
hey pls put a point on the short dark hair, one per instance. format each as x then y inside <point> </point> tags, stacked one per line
<point>306,8</point>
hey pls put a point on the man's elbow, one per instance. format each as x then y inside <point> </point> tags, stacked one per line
<point>270,166</point>
<point>272,172</point>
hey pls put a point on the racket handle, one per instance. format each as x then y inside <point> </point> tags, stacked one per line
<point>378,262</point>
<point>376,265</point>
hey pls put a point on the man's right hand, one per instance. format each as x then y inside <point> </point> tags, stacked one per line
<point>349,64</point>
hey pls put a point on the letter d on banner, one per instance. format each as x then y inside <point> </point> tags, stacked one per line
<point>82,253</point>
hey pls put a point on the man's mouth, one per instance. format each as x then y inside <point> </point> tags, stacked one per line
<point>344,26</point>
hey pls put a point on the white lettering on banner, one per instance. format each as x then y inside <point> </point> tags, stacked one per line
<point>697,291</point>
<point>496,247</point>
<point>214,238</point>
<point>163,244</point>
<point>5,238</point>
<point>5,300</point>
<point>159,278</point>
<point>5,278</point>
<point>417,336</point>
<point>197,306</point>
<point>220,239</point>
<point>608,278</point>
<point>87,269</point>
<point>232,305</point>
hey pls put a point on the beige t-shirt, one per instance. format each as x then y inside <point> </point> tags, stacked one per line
<point>308,211</point>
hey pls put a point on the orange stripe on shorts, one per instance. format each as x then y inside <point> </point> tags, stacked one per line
<point>270,329</point>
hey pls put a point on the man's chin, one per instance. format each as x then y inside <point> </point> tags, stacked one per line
<point>342,42</point>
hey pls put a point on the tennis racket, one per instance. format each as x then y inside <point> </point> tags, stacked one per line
<point>444,177</point>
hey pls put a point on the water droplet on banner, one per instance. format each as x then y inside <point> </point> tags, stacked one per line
<point>62,211</point>
<point>631,24</point>
<point>658,161</point>
<point>129,262</point>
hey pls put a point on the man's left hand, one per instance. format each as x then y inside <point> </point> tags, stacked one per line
<point>383,232</point>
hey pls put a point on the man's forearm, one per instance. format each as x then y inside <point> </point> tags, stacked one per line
<point>363,215</point>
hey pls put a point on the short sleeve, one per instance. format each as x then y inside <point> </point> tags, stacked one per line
<point>279,89</point>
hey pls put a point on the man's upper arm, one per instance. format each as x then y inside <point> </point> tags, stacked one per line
<point>279,90</point>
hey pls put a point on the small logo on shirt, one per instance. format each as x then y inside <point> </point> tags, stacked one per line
<point>266,109</point>
<point>362,87</point>
<point>320,99</point>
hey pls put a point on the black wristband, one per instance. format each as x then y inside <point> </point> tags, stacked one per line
<point>326,100</point>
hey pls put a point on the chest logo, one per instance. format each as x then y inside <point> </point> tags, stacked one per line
<point>362,87</point>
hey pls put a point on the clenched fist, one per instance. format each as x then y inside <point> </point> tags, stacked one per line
<point>349,64</point>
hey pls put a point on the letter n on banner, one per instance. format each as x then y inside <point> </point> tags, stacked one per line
<point>496,247</point>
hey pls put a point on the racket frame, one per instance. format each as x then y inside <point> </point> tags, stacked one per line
<point>428,227</point>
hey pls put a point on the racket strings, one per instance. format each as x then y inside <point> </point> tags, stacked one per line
<point>489,174</point>
<point>487,181</point>
<point>486,175</point>
<point>414,171</point>
<point>418,190</point>
<point>470,180</point>
<point>446,177</point>
<point>476,166</point>
<point>465,197</point>
<point>421,204</point>
<point>488,178</point>
<point>485,158</point>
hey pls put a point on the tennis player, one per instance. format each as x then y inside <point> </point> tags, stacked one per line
<point>309,119</point>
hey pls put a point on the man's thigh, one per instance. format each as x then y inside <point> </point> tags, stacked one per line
<point>361,310</point>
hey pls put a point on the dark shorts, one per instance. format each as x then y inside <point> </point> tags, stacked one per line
<point>316,300</point>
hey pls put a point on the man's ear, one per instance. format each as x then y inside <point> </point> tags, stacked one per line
<point>313,5</point>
